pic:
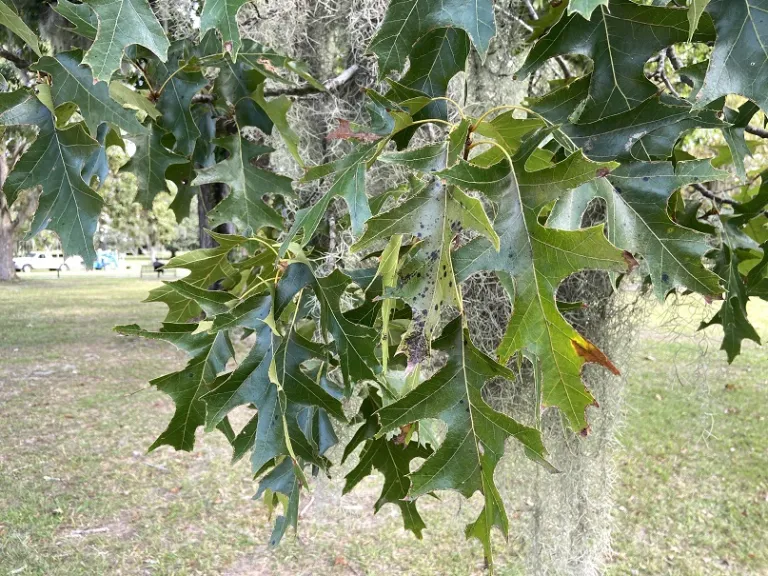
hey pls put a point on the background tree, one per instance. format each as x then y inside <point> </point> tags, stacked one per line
<point>13,223</point>
<point>122,225</point>
<point>128,226</point>
<point>15,56</point>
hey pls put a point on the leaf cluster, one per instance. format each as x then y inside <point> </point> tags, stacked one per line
<point>503,193</point>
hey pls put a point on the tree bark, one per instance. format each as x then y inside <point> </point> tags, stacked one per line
<point>7,269</point>
<point>7,230</point>
<point>210,195</point>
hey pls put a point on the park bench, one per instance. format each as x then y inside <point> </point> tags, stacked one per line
<point>148,270</point>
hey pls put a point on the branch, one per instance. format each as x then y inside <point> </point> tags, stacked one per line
<point>203,98</point>
<point>757,131</point>
<point>307,89</point>
<point>704,191</point>
<point>531,10</point>
<point>26,211</point>
<point>303,90</point>
<point>661,73</point>
<point>15,60</point>
<point>673,59</point>
<point>564,67</point>
<point>528,28</point>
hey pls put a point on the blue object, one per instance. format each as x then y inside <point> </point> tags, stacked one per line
<point>106,261</point>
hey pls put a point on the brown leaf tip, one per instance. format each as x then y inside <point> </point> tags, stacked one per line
<point>267,64</point>
<point>401,438</point>
<point>602,172</point>
<point>592,353</point>
<point>631,261</point>
<point>344,132</point>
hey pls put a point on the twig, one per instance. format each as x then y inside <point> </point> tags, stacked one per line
<point>527,27</point>
<point>307,507</point>
<point>564,67</point>
<point>704,191</point>
<point>673,59</point>
<point>306,89</point>
<point>303,90</point>
<point>203,98</point>
<point>144,75</point>
<point>80,533</point>
<point>661,74</point>
<point>757,131</point>
<point>531,10</point>
<point>532,82</point>
<point>16,60</point>
<point>535,16</point>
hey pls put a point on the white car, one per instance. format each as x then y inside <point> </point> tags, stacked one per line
<point>46,261</point>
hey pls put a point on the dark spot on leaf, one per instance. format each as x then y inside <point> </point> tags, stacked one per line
<point>602,172</point>
<point>665,278</point>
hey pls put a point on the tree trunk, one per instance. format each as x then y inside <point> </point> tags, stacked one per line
<point>152,235</point>
<point>7,230</point>
<point>568,521</point>
<point>210,195</point>
<point>7,270</point>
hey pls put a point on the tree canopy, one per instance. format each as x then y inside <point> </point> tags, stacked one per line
<point>501,192</point>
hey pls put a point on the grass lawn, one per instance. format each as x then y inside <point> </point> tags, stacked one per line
<point>79,494</point>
